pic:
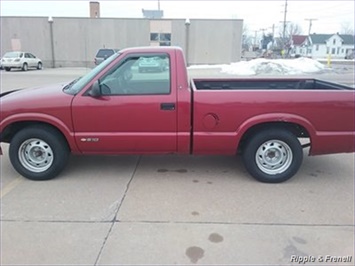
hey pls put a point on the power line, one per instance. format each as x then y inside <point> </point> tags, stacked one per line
<point>325,8</point>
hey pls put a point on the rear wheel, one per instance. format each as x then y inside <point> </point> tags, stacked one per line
<point>39,153</point>
<point>273,155</point>
<point>24,67</point>
<point>7,68</point>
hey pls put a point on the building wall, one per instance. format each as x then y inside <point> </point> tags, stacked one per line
<point>319,51</point>
<point>17,33</point>
<point>217,41</point>
<point>76,40</point>
<point>339,52</point>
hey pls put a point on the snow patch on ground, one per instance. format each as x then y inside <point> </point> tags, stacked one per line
<point>262,66</point>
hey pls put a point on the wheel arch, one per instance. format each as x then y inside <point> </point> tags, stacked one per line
<point>298,126</point>
<point>13,128</point>
<point>38,151</point>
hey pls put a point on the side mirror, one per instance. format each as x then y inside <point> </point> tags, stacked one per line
<point>95,90</point>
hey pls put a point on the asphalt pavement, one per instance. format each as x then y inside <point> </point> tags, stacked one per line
<point>168,210</point>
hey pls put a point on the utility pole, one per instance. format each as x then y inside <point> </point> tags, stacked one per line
<point>310,24</point>
<point>256,34</point>
<point>263,30</point>
<point>273,36</point>
<point>159,5</point>
<point>284,22</point>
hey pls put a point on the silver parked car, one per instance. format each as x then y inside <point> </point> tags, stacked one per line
<point>21,60</point>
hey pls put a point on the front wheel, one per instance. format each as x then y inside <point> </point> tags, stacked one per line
<point>273,155</point>
<point>38,153</point>
<point>24,67</point>
<point>39,66</point>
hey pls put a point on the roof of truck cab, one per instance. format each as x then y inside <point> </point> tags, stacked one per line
<point>151,49</point>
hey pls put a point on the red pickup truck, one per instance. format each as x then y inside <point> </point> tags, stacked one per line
<point>117,109</point>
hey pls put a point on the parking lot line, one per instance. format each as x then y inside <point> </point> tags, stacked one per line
<point>10,186</point>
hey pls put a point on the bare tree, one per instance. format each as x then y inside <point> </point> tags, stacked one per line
<point>347,28</point>
<point>266,40</point>
<point>291,29</point>
<point>247,39</point>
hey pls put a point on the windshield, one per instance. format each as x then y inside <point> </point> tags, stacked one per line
<point>77,85</point>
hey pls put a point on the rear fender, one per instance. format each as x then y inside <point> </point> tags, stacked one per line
<point>275,118</point>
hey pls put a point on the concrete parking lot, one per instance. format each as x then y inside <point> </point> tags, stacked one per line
<point>112,210</point>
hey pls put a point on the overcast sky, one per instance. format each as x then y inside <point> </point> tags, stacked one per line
<point>329,16</point>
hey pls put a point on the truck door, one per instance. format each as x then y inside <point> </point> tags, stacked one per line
<point>136,111</point>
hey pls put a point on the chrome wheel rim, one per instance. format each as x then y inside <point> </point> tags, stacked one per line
<point>274,157</point>
<point>35,155</point>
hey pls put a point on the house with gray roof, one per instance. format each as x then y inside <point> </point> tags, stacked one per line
<point>338,46</point>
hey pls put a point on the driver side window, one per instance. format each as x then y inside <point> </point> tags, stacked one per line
<point>138,75</point>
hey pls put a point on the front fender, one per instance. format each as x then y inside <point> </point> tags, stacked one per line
<point>6,93</point>
<point>66,130</point>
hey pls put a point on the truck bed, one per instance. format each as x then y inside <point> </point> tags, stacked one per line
<point>266,84</point>
<point>223,108</point>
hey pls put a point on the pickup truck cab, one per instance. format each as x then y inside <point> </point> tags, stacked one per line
<point>117,109</point>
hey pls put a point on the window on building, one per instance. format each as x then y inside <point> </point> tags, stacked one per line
<point>334,41</point>
<point>342,50</point>
<point>317,47</point>
<point>338,50</point>
<point>333,50</point>
<point>164,39</point>
<point>327,50</point>
<point>154,36</point>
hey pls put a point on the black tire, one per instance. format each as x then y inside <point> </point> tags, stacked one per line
<point>39,152</point>
<point>7,68</point>
<point>24,67</point>
<point>39,66</point>
<point>273,155</point>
